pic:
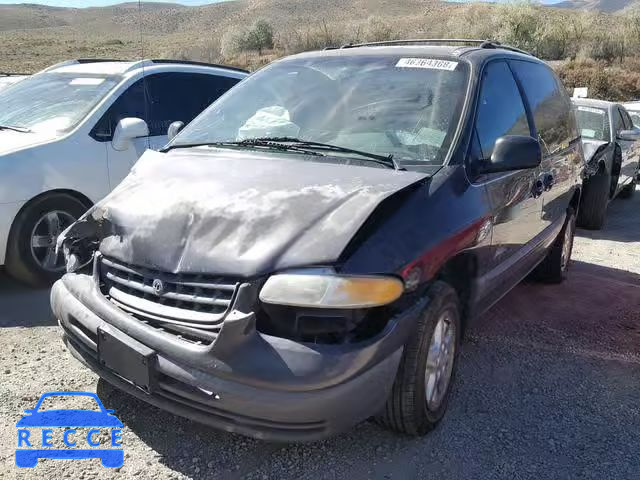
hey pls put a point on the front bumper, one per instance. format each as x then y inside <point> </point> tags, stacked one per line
<point>245,381</point>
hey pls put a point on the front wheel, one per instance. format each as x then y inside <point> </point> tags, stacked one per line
<point>554,267</point>
<point>420,392</point>
<point>31,252</point>
<point>594,201</point>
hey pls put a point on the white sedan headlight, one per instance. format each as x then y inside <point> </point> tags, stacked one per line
<point>329,290</point>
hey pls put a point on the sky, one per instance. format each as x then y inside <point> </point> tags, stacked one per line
<point>97,3</point>
<point>102,3</point>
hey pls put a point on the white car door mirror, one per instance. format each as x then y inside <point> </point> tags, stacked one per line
<point>174,129</point>
<point>126,130</point>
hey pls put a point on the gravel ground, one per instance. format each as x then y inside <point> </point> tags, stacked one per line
<point>548,387</point>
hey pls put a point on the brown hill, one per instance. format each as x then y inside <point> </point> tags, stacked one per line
<point>35,36</point>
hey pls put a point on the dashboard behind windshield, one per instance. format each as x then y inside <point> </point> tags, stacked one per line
<point>387,105</point>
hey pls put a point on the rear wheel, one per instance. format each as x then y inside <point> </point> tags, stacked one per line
<point>421,389</point>
<point>31,251</point>
<point>594,201</point>
<point>554,267</point>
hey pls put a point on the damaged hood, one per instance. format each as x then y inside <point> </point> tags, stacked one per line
<point>237,213</point>
<point>591,147</point>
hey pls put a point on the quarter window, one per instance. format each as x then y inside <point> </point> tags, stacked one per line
<point>500,109</point>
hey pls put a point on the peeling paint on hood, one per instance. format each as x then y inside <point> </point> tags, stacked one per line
<point>237,213</point>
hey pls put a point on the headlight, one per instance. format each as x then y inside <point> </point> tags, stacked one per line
<point>328,290</point>
<point>76,259</point>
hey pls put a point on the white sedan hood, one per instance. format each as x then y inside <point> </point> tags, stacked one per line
<point>11,141</point>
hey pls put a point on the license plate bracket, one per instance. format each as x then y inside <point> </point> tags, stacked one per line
<point>127,358</point>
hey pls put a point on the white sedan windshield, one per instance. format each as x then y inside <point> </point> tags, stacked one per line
<point>52,101</point>
<point>386,105</point>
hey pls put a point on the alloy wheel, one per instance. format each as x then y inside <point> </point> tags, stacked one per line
<point>44,237</point>
<point>440,361</point>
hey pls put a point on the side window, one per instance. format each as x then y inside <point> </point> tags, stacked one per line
<point>635,118</point>
<point>181,97</point>
<point>620,124</point>
<point>626,120</point>
<point>549,103</point>
<point>500,108</point>
<point>170,97</point>
<point>129,104</point>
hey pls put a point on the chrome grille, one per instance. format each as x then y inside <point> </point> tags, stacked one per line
<point>191,300</point>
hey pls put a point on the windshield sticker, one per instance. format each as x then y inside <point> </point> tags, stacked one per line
<point>86,81</point>
<point>430,63</point>
<point>591,110</point>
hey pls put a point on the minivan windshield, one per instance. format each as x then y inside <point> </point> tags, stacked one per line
<point>52,101</point>
<point>385,105</point>
<point>593,123</point>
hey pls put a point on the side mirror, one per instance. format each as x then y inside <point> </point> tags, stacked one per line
<point>126,130</point>
<point>629,135</point>
<point>512,152</point>
<point>174,129</point>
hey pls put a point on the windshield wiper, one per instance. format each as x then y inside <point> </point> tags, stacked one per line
<point>15,129</point>
<point>294,145</point>
<point>252,142</point>
<point>386,160</point>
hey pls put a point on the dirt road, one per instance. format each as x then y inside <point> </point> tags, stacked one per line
<point>548,387</point>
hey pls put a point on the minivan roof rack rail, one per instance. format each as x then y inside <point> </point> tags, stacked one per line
<point>438,41</point>
<point>200,64</point>
<point>139,63</point>
<point>80,61</point>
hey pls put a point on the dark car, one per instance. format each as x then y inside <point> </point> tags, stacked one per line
<point>611,145</point>
<point>309,251</point>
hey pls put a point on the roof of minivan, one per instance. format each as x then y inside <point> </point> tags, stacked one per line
<point>102,68</point>
<point>121,67</point>
<point>474,54</point>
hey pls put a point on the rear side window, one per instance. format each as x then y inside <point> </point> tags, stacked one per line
<point>162,99</point>
<point>549,103</point>
<point>500,108</point>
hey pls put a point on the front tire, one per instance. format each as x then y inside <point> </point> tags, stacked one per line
<point>594,201</point>
<point>554,267</point>
<point>31,256</point>
<point>420,392</point>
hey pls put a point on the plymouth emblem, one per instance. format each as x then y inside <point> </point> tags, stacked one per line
<point>158,287</point>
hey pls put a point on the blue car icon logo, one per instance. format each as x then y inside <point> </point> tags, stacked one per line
<point>31,448</point>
